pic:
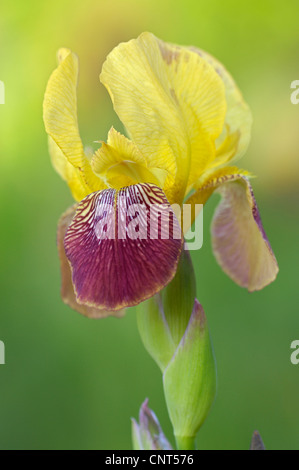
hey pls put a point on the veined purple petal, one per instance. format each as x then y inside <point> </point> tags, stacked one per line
<point>123,246</point>
<point>67,288</point>
<point>239,240</point>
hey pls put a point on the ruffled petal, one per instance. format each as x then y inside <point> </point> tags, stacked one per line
<point>123,246</point>
<point>172,103</point>
<point>239,241</point>
<point>67,288</point>
<point>60,118</point>
<point>119,163</point>
<point>235,136</point>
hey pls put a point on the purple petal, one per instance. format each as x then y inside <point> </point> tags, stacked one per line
<point>239,241</point>
<point>67,288</point>
<point>257,442</point>
<point>119,246</point>
<point>148,434</point>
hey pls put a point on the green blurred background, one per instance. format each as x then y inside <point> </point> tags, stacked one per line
<point>73,383</point>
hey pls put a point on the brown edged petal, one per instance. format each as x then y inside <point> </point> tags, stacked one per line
<point>239,241</point>
<point>67,289</point>
<point>123,246</point>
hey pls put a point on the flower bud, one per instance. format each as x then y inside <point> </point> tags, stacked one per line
<point>174,330</point>
<point>148,435</point>
<point>190,378</point>
<point>257,442</point>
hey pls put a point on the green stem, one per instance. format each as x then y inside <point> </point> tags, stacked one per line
<point>185,442</point>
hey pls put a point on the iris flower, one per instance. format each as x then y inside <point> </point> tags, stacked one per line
<point>186,123</point>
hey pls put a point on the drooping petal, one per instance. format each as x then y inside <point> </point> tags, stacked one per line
<point>239,241</point>
<point>206,185</point>
<point>238,119</point>
<point>60,118</point>
<point>171,101</point>
<point>67,288</point>
<point>123,246</point>
<point>120,163</point>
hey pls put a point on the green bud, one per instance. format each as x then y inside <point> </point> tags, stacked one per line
<point>174,330</point>
<point>148,435</point>
<point>190,378</point>
<point>155,332</point>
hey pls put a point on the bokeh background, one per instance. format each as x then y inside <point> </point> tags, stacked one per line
<point>73,383</point>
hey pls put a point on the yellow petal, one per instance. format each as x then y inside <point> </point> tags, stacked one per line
<point>238,117</point>
<point>67,172</point>
<point>119,163</point>
<point>60,118</point>
<point>172,103</point>
<point>228,148</point>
